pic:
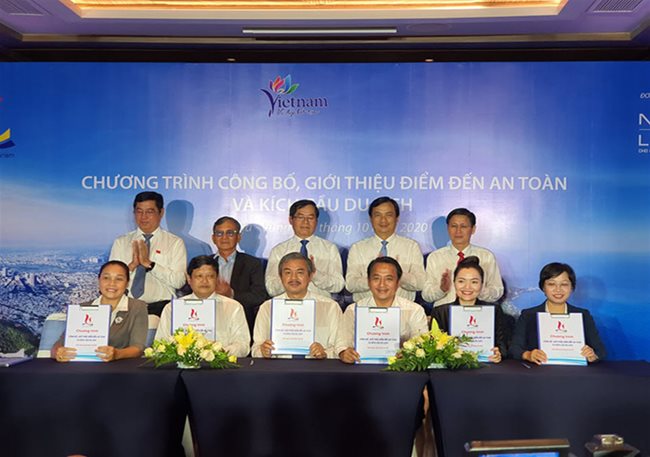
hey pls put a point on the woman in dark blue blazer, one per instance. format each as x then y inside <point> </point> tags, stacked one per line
<point>557,281</point>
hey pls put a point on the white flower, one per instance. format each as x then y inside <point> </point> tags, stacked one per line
<point>202,341</point>
<point>180,350</point>
<point>216,346</point>
<point>148,352</point>
<point>420,353</point>
<point>409,346</point>
<point>457,354</point>
<point>207,355</point>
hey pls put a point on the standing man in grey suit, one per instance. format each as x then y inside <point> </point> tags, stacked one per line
<point>241,276</point>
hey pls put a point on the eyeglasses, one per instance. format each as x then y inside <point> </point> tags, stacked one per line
<point>558,285</point>
<point>147,212</point>
<point>302,218</point>
<point>228,233</point>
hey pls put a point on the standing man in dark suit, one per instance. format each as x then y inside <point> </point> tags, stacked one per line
<point>241,276</point>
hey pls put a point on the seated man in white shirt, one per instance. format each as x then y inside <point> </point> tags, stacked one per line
<point>384,217</point>
<point>231,327</point>
<point>296,271</point>
<point>438,287</point>
<point>384,275</point>
<point>328,269</point>
<point>156,257</point>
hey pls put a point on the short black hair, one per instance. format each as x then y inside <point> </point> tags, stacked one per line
<point>295,256</point>
<point>381,200</point>
<point>470,262</point>
<point>301,204</point>
<point>115,262</point>
<point>201,260</point>
<point>387,260</point>
<point>225,219</point>
<point>462,212</point>
<point>555,269</point>
<point>146,196</point>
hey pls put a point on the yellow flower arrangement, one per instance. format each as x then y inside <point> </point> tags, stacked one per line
<point>434,348</point>
<point>189,348</point>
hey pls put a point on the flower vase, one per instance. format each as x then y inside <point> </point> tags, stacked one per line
<point>437,366</point>
<point>187,366</point>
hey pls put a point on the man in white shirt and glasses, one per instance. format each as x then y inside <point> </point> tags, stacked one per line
<point>156,258</point>
<point>296,272</point>
<point>328,269</point>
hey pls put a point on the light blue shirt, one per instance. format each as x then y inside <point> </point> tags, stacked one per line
<point>226,266</point>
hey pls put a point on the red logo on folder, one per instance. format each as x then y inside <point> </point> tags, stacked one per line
<point>378,323</point>
<point>293,315</point>
<point>472,321</point>
<point>194,316</point>
<point>88,320</point>
<point>560,327</point>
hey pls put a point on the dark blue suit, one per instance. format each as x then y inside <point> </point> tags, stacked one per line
<point>526,335</point>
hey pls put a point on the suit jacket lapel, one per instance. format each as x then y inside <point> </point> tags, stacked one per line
<point>237,268</point>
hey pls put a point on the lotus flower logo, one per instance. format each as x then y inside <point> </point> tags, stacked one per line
<point>283,85</point>
<point>283,101</point>
<point>278,87</point>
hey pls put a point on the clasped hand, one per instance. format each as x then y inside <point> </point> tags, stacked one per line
<point>140,255</point>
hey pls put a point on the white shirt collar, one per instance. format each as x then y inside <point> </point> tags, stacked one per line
<point>464,251</point>
<point>284,296</point>
<point>122,305</point>
<point>370,301</point>
<point>154,233</point>
<point>566,308</point>
<point>389,239</point>
<point>297,238</point>
<point>192,296</point>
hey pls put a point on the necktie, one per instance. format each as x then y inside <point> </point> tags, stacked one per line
<point>303,248</point>
<point>137,288</point>
<point>461,257</point>
<point>384,250</point>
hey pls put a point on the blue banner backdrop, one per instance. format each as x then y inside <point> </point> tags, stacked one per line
<point>552,157</point>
